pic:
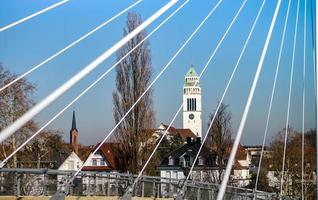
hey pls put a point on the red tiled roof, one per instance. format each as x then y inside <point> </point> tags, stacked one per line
<point>107,150</point>
<point>184,133</point>
<point>241,153</point>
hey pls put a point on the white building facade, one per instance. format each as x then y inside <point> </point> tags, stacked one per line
<point>71,163</point>
<point>192,106</point>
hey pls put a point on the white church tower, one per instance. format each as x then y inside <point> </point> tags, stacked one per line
<point>192,103</point>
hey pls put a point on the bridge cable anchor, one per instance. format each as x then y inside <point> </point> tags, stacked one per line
<point>129,189</point>
<point>181,193</point>
<point>60,194</point>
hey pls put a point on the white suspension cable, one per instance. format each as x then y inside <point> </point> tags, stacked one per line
<point>70,45</point>
<point>180,107</point>
<point>289,100</point>
<point>225,90</point>
<point>92,85</point>
<point>272,94</point>
<point>313,45</point>
<point>146,90</point>
<point>247,107</point>
<point>304,99</point>
<point>8,131</point>
<point>33,15</point>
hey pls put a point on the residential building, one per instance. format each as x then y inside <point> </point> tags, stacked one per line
<point>177,164</point>
<point>104,160</point>
<point>241,175</point>
<point>71,163</point>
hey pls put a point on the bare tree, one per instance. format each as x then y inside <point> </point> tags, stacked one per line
<point>133,75</point>
<point>14,102</point>
<point>292,171</point>
<point>49,146</point>
<point>220,139</point>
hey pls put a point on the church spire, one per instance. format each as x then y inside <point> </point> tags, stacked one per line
<point>74,122</point>
<point>74,134</point>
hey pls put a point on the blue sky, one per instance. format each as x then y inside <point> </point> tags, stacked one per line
<point>30,43</point>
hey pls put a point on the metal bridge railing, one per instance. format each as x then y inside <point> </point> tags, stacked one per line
<point>45,182</point>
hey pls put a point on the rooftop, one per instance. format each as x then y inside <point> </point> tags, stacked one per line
<point>184,133</point>
<point>191,72</point>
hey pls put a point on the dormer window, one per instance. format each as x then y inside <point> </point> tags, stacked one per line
<point>171,161</point>
<point>187,161</point>
<point>201,160</point>
<point>182,162</point>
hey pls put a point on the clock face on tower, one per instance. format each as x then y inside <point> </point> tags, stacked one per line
<point>191,116</point>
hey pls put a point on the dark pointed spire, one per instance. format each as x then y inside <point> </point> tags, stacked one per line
<point>74,122</point>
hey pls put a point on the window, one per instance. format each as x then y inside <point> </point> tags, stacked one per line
<point>102,162</point>
<point>94,162</point>
<point>191,104</point>
<point>182,162</point>
<point>71,165</point>
<point>168,174</point>
<point>188,104</point>
<point>175,174</point>
<point>186,160</point>
<point>171,161</point>
<point>201,161</point>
